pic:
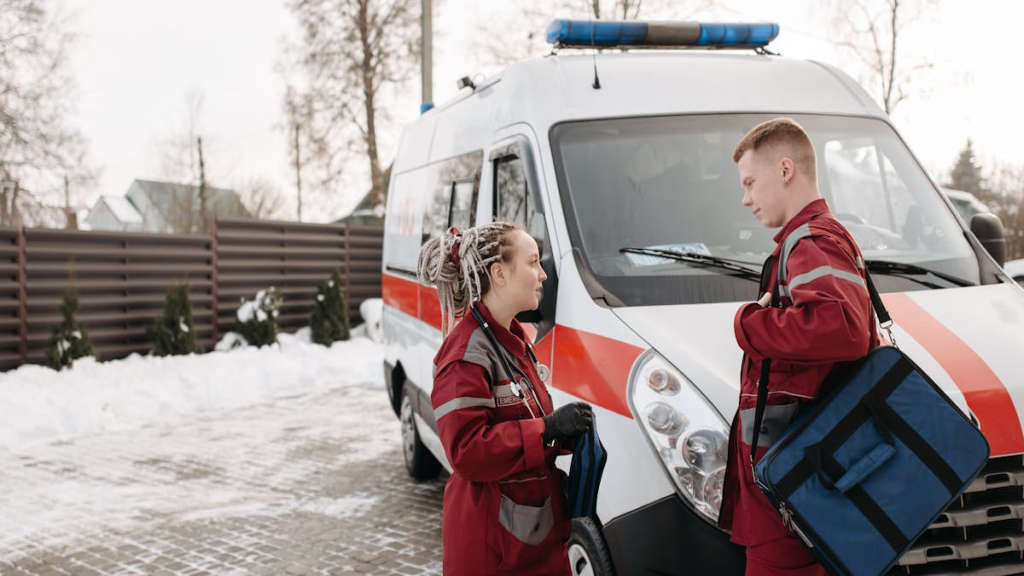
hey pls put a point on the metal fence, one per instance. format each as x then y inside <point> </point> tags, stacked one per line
<point>122,279</point>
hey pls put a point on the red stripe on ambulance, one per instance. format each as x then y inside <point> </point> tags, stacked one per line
<point>985,394</point>
<point>594,368</point>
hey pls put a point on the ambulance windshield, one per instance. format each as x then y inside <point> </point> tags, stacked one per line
<point>669,183</point>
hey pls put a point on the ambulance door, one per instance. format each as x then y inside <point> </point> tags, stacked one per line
<point>516,198</point>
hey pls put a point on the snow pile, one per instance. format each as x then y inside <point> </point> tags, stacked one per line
<point>371,310</point>
<point>38,404</point>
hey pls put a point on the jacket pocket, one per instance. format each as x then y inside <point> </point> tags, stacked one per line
<point>528,524</point>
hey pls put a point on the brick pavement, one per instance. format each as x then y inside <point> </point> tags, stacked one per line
<point>307,485</point>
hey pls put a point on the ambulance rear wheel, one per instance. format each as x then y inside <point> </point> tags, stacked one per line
<point>420,463</point>
<point>588,555</point>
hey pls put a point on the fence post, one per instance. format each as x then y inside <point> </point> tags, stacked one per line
<point>348,268</point>
<point>213,280</point>
<point>22,297</point>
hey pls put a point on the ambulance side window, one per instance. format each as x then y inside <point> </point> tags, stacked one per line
<point>435,216</point>
<point>514,201</point>
<point>463,205</point>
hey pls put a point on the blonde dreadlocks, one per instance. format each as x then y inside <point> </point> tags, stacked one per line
<point>458,264</point>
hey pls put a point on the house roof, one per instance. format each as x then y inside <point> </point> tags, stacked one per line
<point>164,194</point>
<point>123,209</point>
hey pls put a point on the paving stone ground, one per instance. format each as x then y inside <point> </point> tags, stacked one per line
<point>307,485</point>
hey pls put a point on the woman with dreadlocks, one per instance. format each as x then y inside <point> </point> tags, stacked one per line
<point>504,509</point>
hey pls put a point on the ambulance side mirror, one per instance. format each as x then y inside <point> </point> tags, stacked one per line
<point>989,231</point>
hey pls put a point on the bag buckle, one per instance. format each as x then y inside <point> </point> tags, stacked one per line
<point>887,326</point>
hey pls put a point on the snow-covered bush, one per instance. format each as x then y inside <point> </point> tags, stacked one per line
<point>257,318</point>
<point>173,333</point>
<point>329,322</point>
<point>69,341</point>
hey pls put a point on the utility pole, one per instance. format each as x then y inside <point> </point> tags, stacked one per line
<point>6,194</point>
<point>69,214</point>
<point>298,172</point>
<point>426,62</point>
<point>202,188</point>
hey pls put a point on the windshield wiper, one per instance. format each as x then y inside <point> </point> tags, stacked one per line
<point>739,267</point>
<point>902,268</point>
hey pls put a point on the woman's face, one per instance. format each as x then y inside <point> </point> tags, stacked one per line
<point>523,275</point>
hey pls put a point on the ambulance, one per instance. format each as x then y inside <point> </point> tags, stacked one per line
<point>614,153</point>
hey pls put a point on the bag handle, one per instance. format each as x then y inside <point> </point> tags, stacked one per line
<point>866,464</point>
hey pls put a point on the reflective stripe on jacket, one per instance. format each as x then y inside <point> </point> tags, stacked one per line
<point>825,318</point>
<point>504,509</point>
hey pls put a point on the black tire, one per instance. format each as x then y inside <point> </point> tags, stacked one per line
<point>588,554</point>
<point>420,463</point>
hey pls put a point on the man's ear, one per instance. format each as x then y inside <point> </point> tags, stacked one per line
<point>788,169</point>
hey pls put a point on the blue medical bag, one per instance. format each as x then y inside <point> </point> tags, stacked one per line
<point>862,472</point>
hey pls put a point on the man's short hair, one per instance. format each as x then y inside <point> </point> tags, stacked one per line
<point>785,135</point>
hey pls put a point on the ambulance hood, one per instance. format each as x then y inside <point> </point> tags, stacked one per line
<point>969,340</point>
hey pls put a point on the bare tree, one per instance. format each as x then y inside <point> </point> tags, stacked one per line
<point>524,33</point>
<point>179,157</point>
<point>1006,199</point>
<point>870,30</point>
<point>348,52</point>
<point>184,163</point>
<point>261,198</point>
<point>298,122</point>
<point>38,147</point>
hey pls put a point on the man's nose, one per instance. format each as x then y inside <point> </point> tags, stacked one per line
<point>543,275</point>
<point>746,198</point>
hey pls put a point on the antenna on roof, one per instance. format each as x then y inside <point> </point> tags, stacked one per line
<point>597,81</point>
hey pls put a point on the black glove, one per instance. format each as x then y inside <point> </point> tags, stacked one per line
<point>568,422</point>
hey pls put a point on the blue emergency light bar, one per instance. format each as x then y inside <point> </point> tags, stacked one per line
<point>607,33</point>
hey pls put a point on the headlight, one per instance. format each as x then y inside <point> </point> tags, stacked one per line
<point>689,436</point>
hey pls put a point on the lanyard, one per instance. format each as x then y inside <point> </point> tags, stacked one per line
<point>510,368</point>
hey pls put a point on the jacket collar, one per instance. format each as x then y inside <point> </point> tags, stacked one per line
<point>808,213</point>
<point>513,338</point>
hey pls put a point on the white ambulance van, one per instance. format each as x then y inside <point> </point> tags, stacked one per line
<point>619,164</point>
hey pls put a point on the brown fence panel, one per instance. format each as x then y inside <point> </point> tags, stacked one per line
<point>252,255</point>
<point>122,279</point>
<point>10,301</point>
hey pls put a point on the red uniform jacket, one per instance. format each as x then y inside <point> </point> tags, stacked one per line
<point>826,318</point>
<point>504,510</point>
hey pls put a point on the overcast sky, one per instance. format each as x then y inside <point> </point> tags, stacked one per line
<point>138,61</point>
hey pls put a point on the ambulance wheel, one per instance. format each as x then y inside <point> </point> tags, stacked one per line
<point>420,463</point>
<point>588,556</point>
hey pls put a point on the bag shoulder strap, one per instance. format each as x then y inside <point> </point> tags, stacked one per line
<point>762,384</point>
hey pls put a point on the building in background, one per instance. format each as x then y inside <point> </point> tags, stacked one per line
<point>366,213</point>
<point>150,206</point>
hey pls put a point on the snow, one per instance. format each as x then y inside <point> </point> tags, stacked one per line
<point>371,310</point>
<point>39,405</point>
<point>123,209</point>
<point>246,311</point>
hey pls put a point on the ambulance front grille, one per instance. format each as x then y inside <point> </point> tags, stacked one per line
<point>981,534</point>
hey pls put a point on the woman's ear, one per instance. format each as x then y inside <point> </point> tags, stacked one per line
<point>497,273</point>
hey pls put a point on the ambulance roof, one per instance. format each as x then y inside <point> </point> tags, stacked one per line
<point>559,87</point>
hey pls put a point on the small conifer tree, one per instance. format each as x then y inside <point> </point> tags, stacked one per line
<point>329,322</point>
<point>174,333</point>
<point>69,341</point>
<point>258,318</point>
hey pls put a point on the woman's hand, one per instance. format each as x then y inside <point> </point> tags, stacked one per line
<point>568,422</point>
